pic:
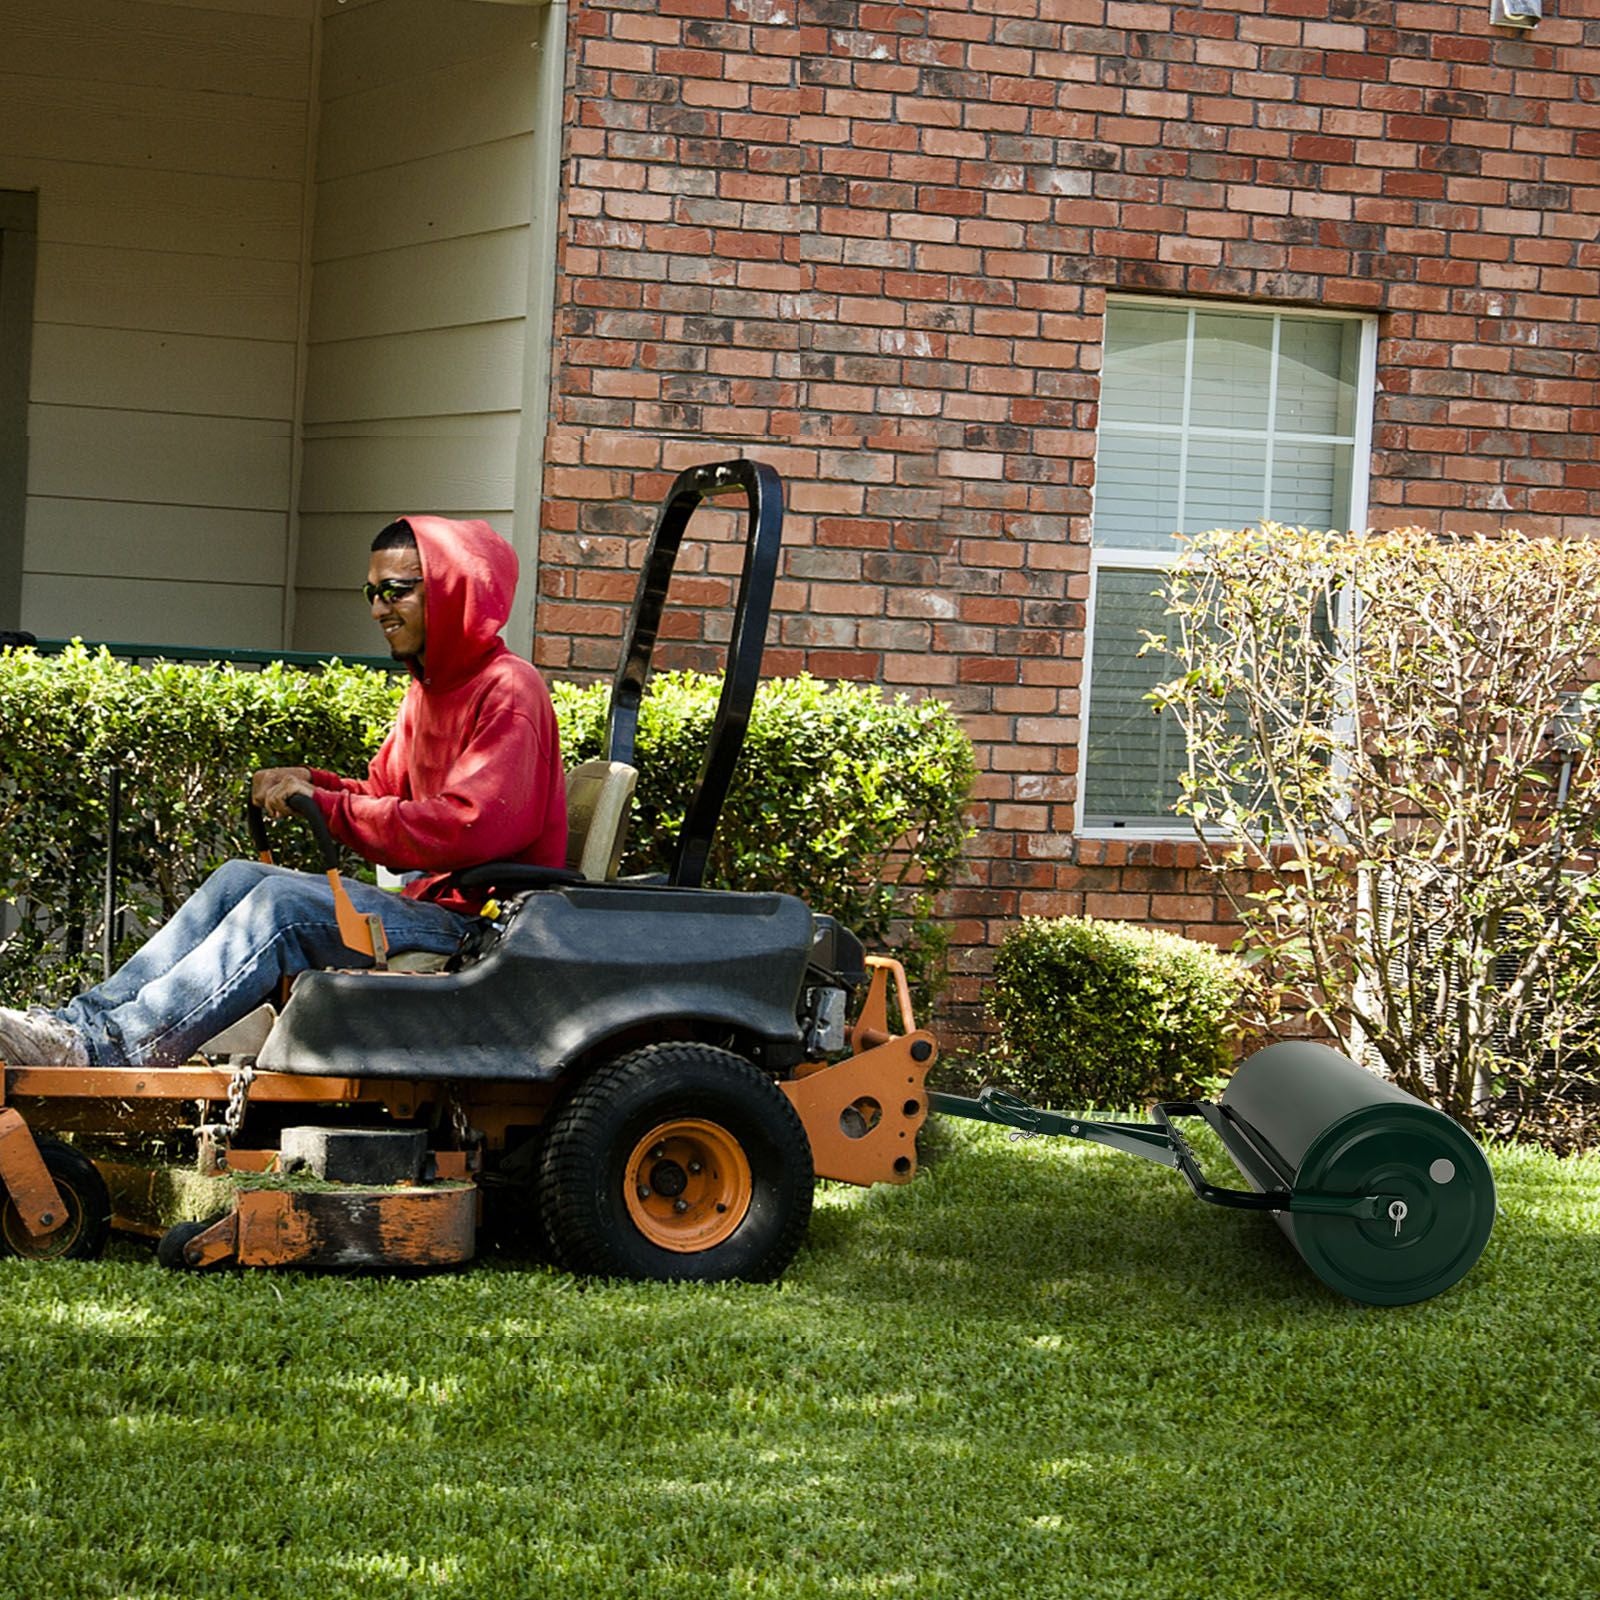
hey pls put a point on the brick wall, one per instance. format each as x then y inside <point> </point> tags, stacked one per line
<point>871,242</point>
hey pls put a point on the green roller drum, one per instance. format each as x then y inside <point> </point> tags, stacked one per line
<point>1303,1115</point>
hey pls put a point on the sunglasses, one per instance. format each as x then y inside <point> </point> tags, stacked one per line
<point>390,590</point>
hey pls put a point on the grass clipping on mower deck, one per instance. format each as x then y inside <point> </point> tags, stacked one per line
<point>164,1195</point>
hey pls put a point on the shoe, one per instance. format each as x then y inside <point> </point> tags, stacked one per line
<point>38,1038</point>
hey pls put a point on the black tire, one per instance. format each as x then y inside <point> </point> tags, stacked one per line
<point>82,1237</point>
<point>724,1192</point>
<point>169,1251</point>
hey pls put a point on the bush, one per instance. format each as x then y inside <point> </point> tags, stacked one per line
<point>1105,1014</point>
<point>853,802</point>
<point>1393,766</point>
<point>185,736</point>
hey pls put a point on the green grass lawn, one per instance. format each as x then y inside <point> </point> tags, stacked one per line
<point>1040,1370</point>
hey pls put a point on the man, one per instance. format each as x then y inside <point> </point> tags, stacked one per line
<point>470,772</point>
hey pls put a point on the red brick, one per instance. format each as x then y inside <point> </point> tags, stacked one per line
<point>891,284</point>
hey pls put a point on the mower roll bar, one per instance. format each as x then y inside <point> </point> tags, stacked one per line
<point>763,538</point>
<point>763,493</point>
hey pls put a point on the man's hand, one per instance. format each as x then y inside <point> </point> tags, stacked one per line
<point>271,788</point>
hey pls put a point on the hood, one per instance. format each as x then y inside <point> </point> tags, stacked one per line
<point>470,574</point>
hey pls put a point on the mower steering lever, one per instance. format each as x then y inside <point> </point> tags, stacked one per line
<point>362,934</point>
<point>305,807</point>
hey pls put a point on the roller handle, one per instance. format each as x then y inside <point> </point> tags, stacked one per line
<point>1274,1185</point>
<point>1273,1193</point>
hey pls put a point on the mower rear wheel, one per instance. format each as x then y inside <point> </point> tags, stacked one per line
<point>82,1236</point>
<point>676,1161</point>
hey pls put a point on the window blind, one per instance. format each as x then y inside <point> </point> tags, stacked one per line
<point>1209,417</point>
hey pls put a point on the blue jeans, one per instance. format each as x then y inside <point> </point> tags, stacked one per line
<point>247,927</point>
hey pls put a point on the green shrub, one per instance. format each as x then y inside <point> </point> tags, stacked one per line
<point>852,801</point>
<point>185,736</point>
<point>1105,1014</point>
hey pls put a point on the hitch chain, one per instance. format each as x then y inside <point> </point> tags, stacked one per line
<point>244,1074</point>
<point>466,1135</point>
<point>239,1095</point>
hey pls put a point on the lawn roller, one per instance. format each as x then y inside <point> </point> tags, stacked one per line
<point>1387,1200</point>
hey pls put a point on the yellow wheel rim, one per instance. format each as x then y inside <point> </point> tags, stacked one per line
<point>687,1184</point>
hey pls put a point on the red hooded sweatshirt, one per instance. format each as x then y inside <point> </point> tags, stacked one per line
<point>471,771</point>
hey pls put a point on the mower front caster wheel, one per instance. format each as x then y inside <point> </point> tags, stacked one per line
<point>170,1248</point>
<point>82,1236</point>
<point>676,1161</point>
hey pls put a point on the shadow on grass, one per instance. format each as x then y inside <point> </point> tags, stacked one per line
<point>997,1223</point>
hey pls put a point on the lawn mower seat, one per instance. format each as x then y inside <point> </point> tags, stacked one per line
<point>599,798</point>
<point>599,801</point>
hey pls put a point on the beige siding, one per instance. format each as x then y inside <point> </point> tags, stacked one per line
<point>120,369</point>
<point>415,368</point>
<point>439,372</point>
<point>483,277</point>
<point>214,615</point>
<point>206,544</point>
<point>91,286</point>
<point>465,472</point>
<point>167,144</point>
<point>154,459</point>
<point>241,52</point>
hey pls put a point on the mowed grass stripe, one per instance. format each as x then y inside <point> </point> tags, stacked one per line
<point>1042,1369</point>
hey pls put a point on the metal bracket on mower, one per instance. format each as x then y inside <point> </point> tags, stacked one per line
<point>26,1179</point>
<point>863,1114</point>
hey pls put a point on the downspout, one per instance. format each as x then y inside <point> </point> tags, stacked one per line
<point>538,348</point>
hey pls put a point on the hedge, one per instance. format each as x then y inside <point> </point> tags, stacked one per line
<point>853,802</point>
<point>185,737</point>
<point>1107,1014</point>
<point>850,800</point>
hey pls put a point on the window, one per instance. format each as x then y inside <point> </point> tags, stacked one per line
<point>1210,416</point>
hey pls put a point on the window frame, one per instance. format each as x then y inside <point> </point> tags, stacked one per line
<point>1118,558</point>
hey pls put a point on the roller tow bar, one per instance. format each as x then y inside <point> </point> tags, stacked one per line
<point>1162,1143</point>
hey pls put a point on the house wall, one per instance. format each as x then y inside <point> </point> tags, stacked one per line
<point>871,243</point>
<point>426,171</point>
<point>167,146</point>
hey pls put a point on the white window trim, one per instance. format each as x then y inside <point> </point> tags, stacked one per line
<point>1124,560</point>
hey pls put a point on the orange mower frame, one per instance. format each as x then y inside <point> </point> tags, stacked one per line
<point>861,1115</point>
